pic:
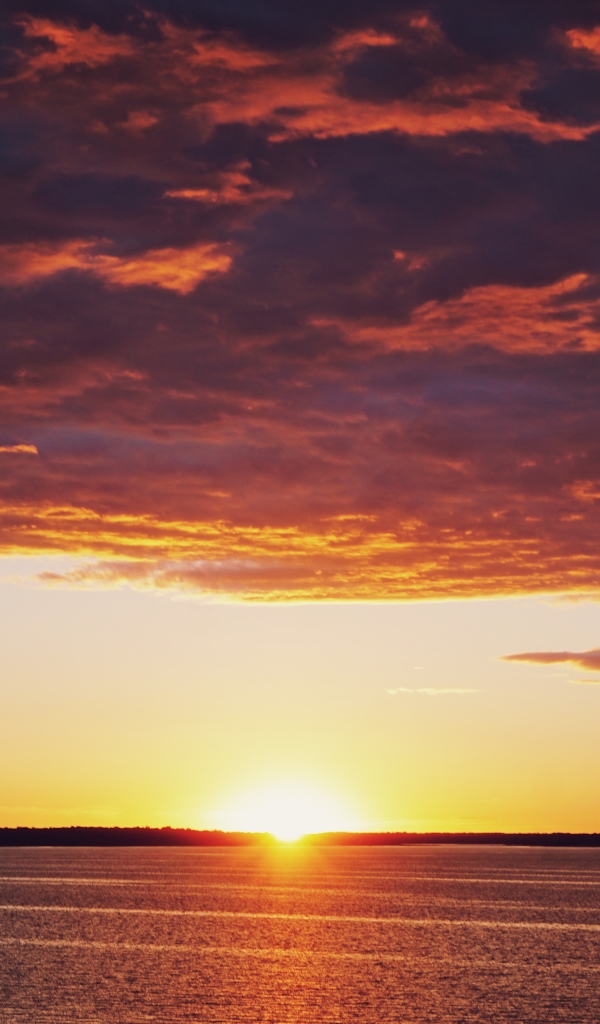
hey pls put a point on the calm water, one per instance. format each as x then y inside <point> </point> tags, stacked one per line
<point>371,935</point>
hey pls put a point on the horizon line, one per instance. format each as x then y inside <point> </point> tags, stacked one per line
<point>166,835</point>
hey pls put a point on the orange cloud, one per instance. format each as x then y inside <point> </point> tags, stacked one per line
<point>195,51</point>
<point>179,270</point>
<point>72,45</point>
<point>511,319</point>
<point>348,560</point>
<point>589,660</point>
<point>219,80</point>
<point>306,103</point>
<point>579,39</point>
<point>232,186</point>
<point>328,116</point>
<point>138,121</point>
<point>304,98</point>
<point>18,449</point>
<point>22,263</point>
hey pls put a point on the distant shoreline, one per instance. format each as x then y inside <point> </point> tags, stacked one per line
<point>182,837</point>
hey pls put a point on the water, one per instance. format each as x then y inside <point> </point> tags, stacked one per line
<point>440,934</point>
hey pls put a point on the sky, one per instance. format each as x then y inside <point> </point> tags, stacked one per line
<point>299,419</point>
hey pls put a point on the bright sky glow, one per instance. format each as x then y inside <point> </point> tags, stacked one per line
<point>124,708</point>
<point>286,810</point>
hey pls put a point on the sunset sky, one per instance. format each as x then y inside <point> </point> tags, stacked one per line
<point>299,413</point>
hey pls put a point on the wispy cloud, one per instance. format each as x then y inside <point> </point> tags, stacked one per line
<point>432,691</point>
<point>18,449</point>
<point>179,270</point>
<point>589,660</point>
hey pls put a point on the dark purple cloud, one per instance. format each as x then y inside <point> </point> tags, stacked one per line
<point>303,306</point>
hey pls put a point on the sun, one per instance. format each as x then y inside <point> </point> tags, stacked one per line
<point>287,811</point>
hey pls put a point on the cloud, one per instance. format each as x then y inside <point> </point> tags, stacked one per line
<point>563,315</point>
<point>179,270</point>
<point>70,45</point>
<point>414,81</point>
<point>579,39</point>
<point>302,305</point>
<point>589,660</point>
<point>18,449</point>
<point>232,186</point>
<point>432,691</point>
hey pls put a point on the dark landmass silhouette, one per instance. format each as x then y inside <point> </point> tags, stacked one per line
<point>90,836</point>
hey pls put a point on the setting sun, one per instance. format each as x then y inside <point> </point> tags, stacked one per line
<point>288,811</point>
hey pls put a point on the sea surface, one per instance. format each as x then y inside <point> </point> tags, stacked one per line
<point>436,934</point>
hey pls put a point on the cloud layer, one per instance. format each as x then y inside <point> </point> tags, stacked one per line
<point>302,306</point>
<point>589,660</point>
